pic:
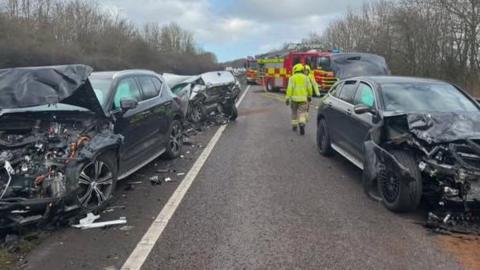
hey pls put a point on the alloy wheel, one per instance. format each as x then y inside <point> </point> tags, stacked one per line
<point>196,114</point>
<point>96,184</point>
<point>176,138</point>
<point>390,186</point>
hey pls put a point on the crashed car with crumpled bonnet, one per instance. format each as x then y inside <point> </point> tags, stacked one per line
<point>211,93</point>
<point>67,135</point>
<point>412,137</point>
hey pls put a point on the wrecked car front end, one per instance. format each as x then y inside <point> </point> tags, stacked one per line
<point>46,139</point>
<point>446,147</point>
<point>210,94</point>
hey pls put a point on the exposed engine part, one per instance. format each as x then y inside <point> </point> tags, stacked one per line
<point>34,159</point>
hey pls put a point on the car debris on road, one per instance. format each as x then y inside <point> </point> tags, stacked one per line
<point>89,222</point>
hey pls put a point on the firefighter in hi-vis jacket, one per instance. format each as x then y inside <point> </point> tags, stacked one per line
<point>311,76</point>
<point>299,94</point>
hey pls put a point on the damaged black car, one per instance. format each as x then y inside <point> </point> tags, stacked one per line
<point>67,135</point>
<point>413,138</point>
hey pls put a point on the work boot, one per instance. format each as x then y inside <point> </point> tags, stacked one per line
<point>302,129</point>
<point>294,128</point>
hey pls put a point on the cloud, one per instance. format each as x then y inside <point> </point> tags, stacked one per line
<point>238,25</point>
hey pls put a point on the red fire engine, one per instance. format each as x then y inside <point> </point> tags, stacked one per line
<point>251,67</point>
<point>276,68</point>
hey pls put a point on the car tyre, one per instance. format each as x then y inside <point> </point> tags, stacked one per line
<point>269,86</point>
<point>196,113</point>
<point>398,195</point>
<point>175,140</point>
<point>323,139</point>
<point>97,181</point>
<point>233,113</point>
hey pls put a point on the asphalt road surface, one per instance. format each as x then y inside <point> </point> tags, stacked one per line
<point>264,199</point>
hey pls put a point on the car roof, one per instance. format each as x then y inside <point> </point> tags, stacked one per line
<point>396,79</point>
<point>114,74</point>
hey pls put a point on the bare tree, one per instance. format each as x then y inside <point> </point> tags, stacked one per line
<point>431,38</point>
<point>45,32</point>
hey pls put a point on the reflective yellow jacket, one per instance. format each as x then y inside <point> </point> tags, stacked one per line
<point>314,83</point>
<point>299,88</point>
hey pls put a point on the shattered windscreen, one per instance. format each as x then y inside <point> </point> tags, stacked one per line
<point>425,97</point>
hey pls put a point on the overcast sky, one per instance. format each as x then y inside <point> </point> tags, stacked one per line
<point>237,28</point>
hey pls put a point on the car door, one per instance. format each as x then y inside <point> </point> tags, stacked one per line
<point>360,124</point>
<point>330,110</point>
<point>155,113</point>
<point>343,108</point>
<point>131,124</point>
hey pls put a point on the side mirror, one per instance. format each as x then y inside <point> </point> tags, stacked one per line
<point>128,104</point>
<point>361,109</point>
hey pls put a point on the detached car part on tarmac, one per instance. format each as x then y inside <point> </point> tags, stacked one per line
<point>212,93</point>
<point>412,138</point>
<point>66,137</point>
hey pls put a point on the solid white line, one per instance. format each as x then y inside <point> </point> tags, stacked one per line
<point>146,244</point>
<point>243,96</point>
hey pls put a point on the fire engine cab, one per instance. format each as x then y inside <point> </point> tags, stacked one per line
<point>274,71</point>
<point>251,67</point>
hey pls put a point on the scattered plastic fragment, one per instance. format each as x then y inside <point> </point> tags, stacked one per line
<point>187,141</point>
<point>112,208</point>
<point>89,224</point>
<point>168,179</point>
<point>126,228</point>
<point>135,183</point>
<point>155,180</point>
<point>166,170</point>
<point>89,219</point>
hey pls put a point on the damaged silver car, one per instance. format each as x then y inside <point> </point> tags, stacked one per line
<point>209,94</point>
<point>66,136</point>
<point>412,138</point>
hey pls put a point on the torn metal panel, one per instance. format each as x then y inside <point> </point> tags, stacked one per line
<point>36,86</point>
<point>444,127</point>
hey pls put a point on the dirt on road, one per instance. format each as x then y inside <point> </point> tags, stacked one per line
<point>465,248</point>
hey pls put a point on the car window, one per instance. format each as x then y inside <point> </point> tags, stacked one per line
<point>348,91</point>
<point>126,89</point>
<point>336,89</point>
<point>101,88</point>
<point>148,87</point>
<point>157,83</point>
<point>323,63</point>
<point>365,95</point>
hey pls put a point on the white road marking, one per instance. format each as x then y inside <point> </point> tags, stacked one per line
<point>146,244</point>
<point>243,96</point>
